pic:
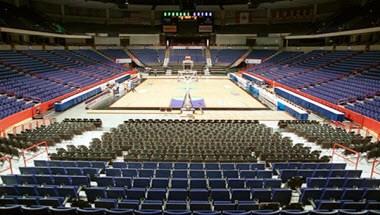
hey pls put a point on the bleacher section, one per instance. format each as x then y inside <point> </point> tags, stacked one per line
<point>178,55</point>
<point>225,57</point>
<point>185,188</point>
<point>11,105</point>
<point>114,53</point>
<point>339,77</point>
<point>149,57</point>
<point>40,76</point>
<point>261,54</point>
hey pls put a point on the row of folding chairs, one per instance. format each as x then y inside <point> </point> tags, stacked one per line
<point>329,205</point>
<point>191,166</point>
<point>183,205</point>
<point>306,165</point>
<point>31,200</point>
<point>189,173</point>
<point>220,194</point>
<point>58,163</point>
<point>281,195</point>
<point>349,194</point>
<point>39,190</point>
<point>287,174</point>
<point>45,210</point>
<point>74,180</point>
<point>342,182</point>
<point>91,171</point>
<point>110,181</point>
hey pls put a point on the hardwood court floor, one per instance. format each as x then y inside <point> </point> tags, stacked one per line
<point>217,93</point>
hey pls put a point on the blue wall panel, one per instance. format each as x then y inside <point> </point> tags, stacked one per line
<point>310,106</point>
<point>59,107</point>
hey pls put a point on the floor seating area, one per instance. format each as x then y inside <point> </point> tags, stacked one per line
<point>148,56</point>
<point>178,55</point>
<point>190,140</point>
<point>340,77</point>
<point>225,57</point>
<point>52,134</point>
<point>158,187</point>
<point>326,135</point>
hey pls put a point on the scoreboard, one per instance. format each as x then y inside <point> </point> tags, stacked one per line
<point>187,22</point>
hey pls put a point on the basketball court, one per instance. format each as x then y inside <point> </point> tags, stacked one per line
<point>216,93</point>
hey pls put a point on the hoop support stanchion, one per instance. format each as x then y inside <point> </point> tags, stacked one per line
<point>23,152</point>
<point>9,160</point>
<point>375,163</point>
<point>353,161</point>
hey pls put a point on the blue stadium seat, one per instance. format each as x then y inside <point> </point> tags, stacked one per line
<point>200,205</point>
<point>129,204</point>
<point>94,193</point>
<point>198,194</point>
<point>198,183</point>
<point>90,211</point>
<point>116,193</point>
<point>240,194</point>
<point>175,205</point>
<point>141,182</point>
<point>119,211</point>
<point>36,210</point>
<point>281,195</point>
<point>180,183</point>
<point>212,166</point>
<point>123,182</point>
<point>217,183</point>
<point>136,193</point>
<point>156,194</point>
<point>262,195</point>
<point>178,194</point>
<point>214,174</point>
<point>163,173</point>
<point>151,204</point>
<point>160,183</point>
<point>220,195</point>
<point>105,181</point>
<point>197,173</point>
<point>129,172</point>
<point>236,183</point>
<point>106,203</point>
<point>148,212</point>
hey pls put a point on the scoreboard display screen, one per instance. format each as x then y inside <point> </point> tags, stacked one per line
<point>187,22</point>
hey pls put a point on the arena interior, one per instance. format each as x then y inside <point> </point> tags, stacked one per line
<point>189,107</point>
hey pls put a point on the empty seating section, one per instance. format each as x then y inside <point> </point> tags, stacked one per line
<point>114,53</point>
<point>40,76</point>
<point>178,55</point>
<point>189,140</point>
<point>370,108</point>
<point>149,56</point>
<point>11,105</point>
<point>261,54</point>
<point>340,77</point>
<point>225,57</point>
<point>52,134</point>
<point>326,136</point>
<point>212,187</point>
